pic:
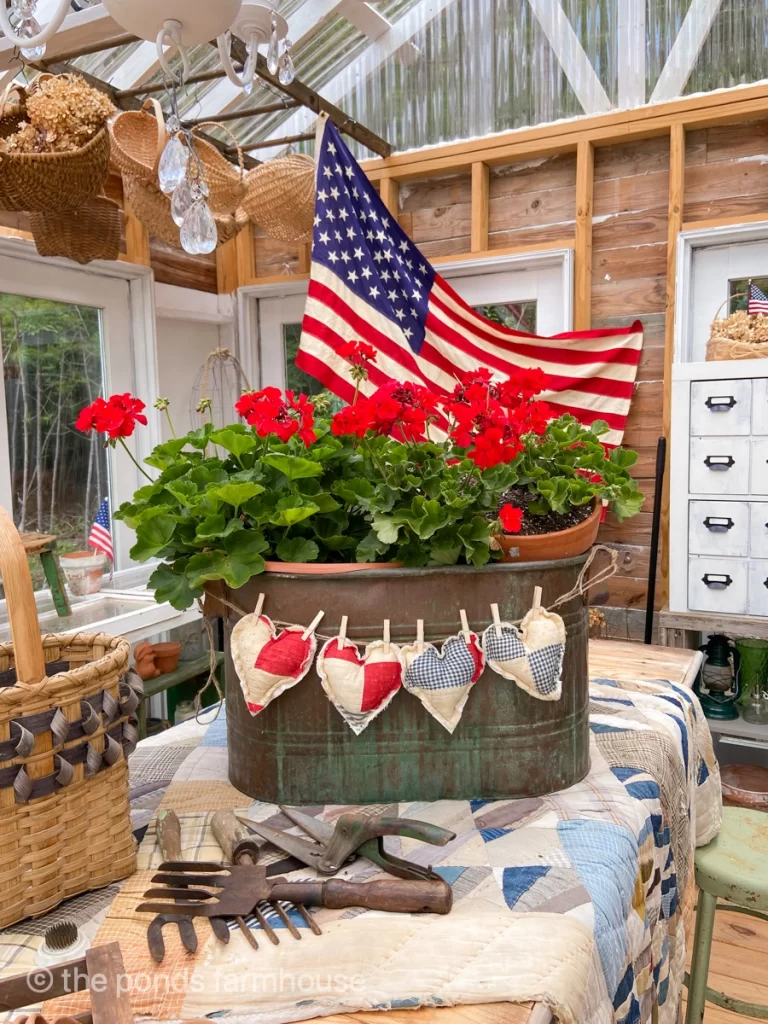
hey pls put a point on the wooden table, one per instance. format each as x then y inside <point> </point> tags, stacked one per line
<point>608,659</point>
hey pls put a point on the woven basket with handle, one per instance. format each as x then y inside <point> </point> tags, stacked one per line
<point>91,232</point>
<point>226,183</point>
<point>43,182</point>
<point>138,139</point>
<point>67,723</point>
<point>724,344</point>
<point>281,197</point>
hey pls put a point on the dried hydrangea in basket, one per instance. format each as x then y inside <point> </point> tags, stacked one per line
<point>63,114</point>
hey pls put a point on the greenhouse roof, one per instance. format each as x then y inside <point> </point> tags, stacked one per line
<point>422,72</point>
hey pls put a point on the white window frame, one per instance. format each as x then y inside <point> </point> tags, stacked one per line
<point>248,313</point>
<point>124,477</point>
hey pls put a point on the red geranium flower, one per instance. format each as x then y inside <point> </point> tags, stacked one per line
<point>511,518</point>
<point>354,419</point>
<point>357,352</point>
<point>116,416</point>
<point>399,410</point>
<point>267,412</point>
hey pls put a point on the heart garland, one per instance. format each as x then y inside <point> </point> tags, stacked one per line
<point>531,656</point>
<point>359,687</point>
<point>442,681</point>
<point>267,662</point>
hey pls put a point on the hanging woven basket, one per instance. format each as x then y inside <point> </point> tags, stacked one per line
<point>138,139</point>
<point>738,336</point>
<point>226,183</point>
<point>281,197</point>
<point>91,232</point>
<point>43,182</point>
<point>12,105</point>
<point>153,208</point>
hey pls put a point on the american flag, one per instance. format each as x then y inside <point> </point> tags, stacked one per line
<point>369,281</point>
<point>100,536</point>
<point>756,301</point>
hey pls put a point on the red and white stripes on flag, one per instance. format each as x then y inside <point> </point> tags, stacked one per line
<point>369,281</point>
<point>757,301</point>
<point>100,536</point>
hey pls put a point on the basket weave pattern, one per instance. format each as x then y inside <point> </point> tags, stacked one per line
<point>281,197</point>
<point>739,336</point>
<point>137,141</point>
<point>153,208</point>
<point>65,825</point>
<point>91,232</point>
<point>43,182</point>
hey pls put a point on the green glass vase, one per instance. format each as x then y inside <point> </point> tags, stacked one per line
<point>754,666</point>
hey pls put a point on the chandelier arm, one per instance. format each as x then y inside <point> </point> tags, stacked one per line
<point>171,31</point>
<point>42,36</point>
<point>249,70</point>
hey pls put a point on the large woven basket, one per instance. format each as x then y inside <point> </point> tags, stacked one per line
<point>226,183</point>
<point>12,106</point>
<point>280,197</point>
<point>43,182</point>
<point>91,232</point>
<point>153,209</point>
<point>138,139</point>
<point>67,723</point>
<point>738,336</point>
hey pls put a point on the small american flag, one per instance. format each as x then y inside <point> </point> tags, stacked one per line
<point>100,536</point>
<point>756,301</point>
<point>369,281</point>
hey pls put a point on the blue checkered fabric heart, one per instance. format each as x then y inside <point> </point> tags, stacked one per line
<point>442,681</point>
<point>531,656</point>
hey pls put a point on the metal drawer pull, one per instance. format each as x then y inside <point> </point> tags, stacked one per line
<point>716,580</point>
<point>719,461</point>
<point>719,524</point>
<point>720,403</point>
<point>765,583</point>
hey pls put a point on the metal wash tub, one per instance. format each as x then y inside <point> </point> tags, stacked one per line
<point>299,750</point>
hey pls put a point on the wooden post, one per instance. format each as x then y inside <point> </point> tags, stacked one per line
<point>246,255</point>
<point>305,257</point>
<point>674,226</point>
<point>481,195</point>
<point>390,195</point>
<point>226,268</point>
<point>136,238</point>
<point>585,177</point>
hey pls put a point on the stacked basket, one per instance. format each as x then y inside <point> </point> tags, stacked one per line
<point>67,724</point>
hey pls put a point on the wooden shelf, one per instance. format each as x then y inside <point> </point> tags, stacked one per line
<point>713,622</point>
<point>187,670</point>
<point>741,728</point>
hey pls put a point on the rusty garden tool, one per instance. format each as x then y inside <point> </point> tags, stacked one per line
<point>243,887</point>
<point>354,834</point>
<point>169,836</point>
<point>239,847</point>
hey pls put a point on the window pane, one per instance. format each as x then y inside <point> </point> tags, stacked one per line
<point>52,362</point>
<point>296,379</point>
<point>737,292</point>
<point>520,316</point>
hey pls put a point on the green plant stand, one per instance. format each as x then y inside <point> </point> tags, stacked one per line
<point>188,671</point>
<point>734,867</point>
<point>44,545</point>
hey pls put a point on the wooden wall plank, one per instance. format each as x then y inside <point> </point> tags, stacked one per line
<point>246,255</point>
<point>226,268</point>
<point>137,247</point>
<point>390,195</point>
<point>481,196</point>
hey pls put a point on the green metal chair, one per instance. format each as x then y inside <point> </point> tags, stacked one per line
<point>734,867</point>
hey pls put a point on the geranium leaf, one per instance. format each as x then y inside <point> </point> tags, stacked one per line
<point>213,527</point>
<point>235,494</point>
<point>239,560</point>
<point>170,584</point>
<point>292,510</point>
<point>234,442</point>
<point>386,529</point>
<point>152,536</point>
<point>370,547</point>
<point>339,543</point>
<point>293,467</point>
<point>299,549</point>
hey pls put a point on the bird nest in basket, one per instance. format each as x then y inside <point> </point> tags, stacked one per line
<point>739,336</point>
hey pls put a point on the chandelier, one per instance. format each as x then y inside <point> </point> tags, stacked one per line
<point>178,24</point>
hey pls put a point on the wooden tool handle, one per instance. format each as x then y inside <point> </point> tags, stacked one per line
<point>236,842</point>
<point>169,835</point>
<point>395,895</point>
<point>20,602</point>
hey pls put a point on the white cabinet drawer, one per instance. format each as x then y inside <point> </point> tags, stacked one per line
<point>757,596</point>
<point>721,407</point>
<point>719,465</point>
<point>719,528</point>
<point>717,585</point>
<point>759,475</point>
<point>758,529</point>
<point>760,405</point>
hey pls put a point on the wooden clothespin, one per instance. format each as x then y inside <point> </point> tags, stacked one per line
<point>312,626</point>
<point>465,627</point>
<point>386,636</point>
<point>536,599</point>
<point>342,632</point>
<point>259,606</point>
<point>496,619</point>
<point>420,635</point>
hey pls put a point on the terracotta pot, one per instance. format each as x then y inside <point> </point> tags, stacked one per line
<point>144,661</point>
<point>167,656</point>
<point>327,568</point>
<point>545,547</point>
<point>84,571</point>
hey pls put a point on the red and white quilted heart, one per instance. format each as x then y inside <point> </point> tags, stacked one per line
<point>267,662</point>
<point>360,687</point>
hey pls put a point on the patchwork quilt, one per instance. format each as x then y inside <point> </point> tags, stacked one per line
<point>577,900</point>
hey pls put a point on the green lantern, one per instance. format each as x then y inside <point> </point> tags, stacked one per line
<point>717,684</point>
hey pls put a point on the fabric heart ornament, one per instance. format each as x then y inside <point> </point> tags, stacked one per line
<point>442,681</point>
<point>531,656</point>
<point>360,687</point>
<point>267,662</point>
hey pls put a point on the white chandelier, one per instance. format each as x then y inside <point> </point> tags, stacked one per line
<point>175,23</point>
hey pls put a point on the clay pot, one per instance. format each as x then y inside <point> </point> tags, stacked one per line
<point>327,568</point>
<point>144,658</point>
<point>546,547</point>
<point>167,656</point>
<point>84,571</point>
